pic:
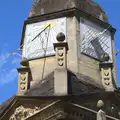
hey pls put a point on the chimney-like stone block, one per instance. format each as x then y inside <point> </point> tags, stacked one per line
<point>60,73</point>
<point>60,82</point>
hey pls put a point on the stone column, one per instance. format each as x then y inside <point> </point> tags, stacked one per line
<point>60,73</point>
<point>106,76</point>
<point>23,83</point>
<point>101,114</point>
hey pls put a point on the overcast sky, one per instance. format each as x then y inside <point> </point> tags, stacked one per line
<point>13,13</point>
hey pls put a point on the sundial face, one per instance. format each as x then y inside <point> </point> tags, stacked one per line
<point>93,43</point>
<point>40,36</point>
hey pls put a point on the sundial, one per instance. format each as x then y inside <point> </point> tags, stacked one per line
<point>40,36</point>
<point>93,43</point>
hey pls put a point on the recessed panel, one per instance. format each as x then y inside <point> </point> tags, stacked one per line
<point>95,41</point>
<point>40,36</point>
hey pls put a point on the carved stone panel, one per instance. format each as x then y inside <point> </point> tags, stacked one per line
<point>52,111</point>
<point>22,113</point>
<point>107,78</point>
<point>23,81</point>
<point>61,57</point>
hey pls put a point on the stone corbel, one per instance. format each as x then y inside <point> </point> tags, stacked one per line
<point>106,76</point>
<point>23,82</point>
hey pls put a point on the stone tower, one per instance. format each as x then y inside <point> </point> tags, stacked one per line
<point>82,22</point>
<point>68,63</point>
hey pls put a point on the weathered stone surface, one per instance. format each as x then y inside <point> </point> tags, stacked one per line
<point>22,113</point>
<point>41,7</point>
<point>42,88</point>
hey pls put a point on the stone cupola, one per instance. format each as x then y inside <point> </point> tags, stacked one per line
<point>41,7</point>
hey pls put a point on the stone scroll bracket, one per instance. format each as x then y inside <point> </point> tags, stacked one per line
<point>23,81</point>
<point>106,76</point>
<point>60,73</point>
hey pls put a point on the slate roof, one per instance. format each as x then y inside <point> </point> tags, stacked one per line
<point>76,84</point>
<point>43,88</point>
<point>41,7</point>
<point>4,105</point>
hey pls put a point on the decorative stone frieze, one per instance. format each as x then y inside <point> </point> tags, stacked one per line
<point>22,113</point>
<point>51,111</point>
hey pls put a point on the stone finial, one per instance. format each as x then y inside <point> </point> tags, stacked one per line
<point>100,114</point>
<point>105,57</point>
<point>100,104</point>
<point>24,62</point>
<point>60,37</point>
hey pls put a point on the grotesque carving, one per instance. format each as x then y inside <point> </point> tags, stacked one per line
<point>22,113</point>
